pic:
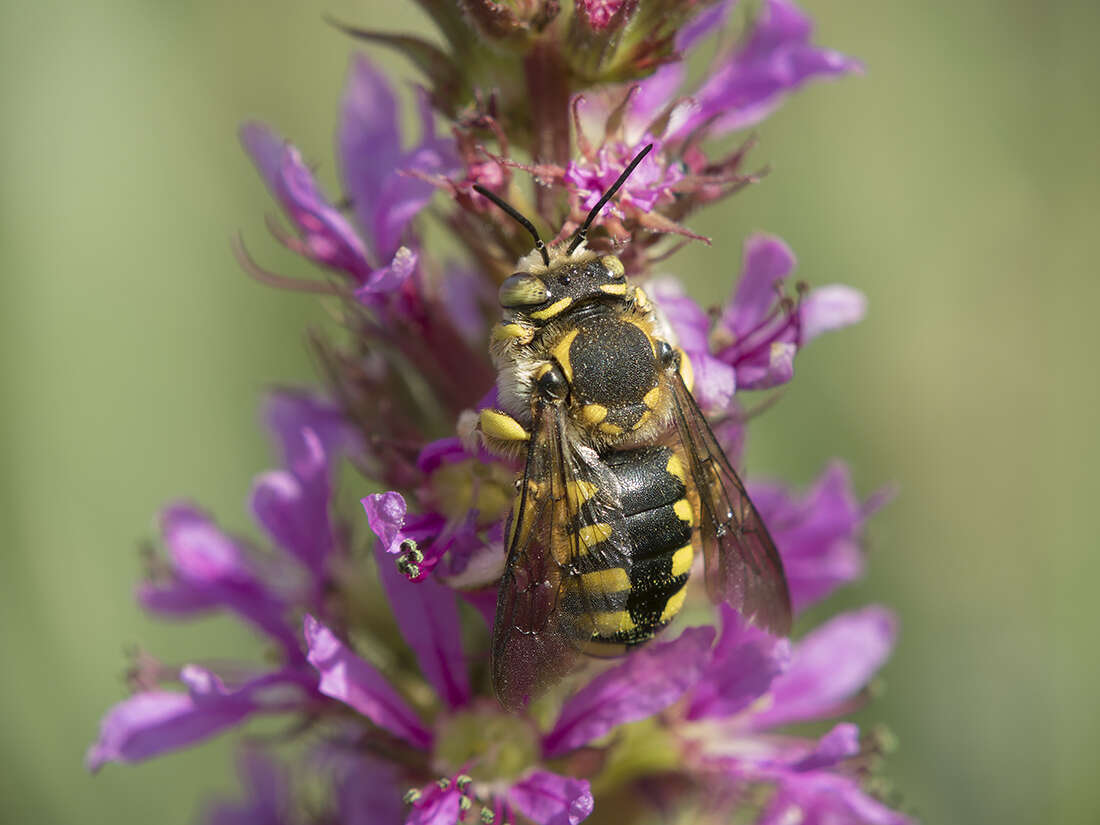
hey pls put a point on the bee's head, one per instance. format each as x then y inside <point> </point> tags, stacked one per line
<point>540,292</point>
<point>552,280</point>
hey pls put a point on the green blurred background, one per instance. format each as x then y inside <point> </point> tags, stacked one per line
<point>956,184</point>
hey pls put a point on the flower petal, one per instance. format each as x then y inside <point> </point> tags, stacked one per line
<point>386,516</point>
<point>368,141</point>
<point>822,798</point>
<point>831,307</point>
<point>370,793</point>
<point>767,260</point>
<point>829,666</point>
<point>427,616</point>
<point>841,743</point>
<point>758,75</point>
<point>743,665</point>
<point>646,682</point>
<point>549,799</point>
<point>154,722</point>
<point>817,534</point>
<point>289,413</point>
<point>292,506</point>
<point>355,682</point>
<point>266,801</point>
<point>326,236</point>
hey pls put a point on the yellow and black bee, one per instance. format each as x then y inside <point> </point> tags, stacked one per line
<point>623,476</point>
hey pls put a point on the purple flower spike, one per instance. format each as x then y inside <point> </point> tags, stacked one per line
<point>744,663</point>
<point>767,262</point>
<point>350,679</point>
<point>292,506</point>
<point>326,236</point>
<point>757,76</point>
<point>646,682</point>
<point>817,535</point>
<point>549,799</point>
<point>829,666</point>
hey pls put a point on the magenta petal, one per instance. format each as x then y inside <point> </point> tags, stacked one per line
<point>267,799</point>
<point>549,799</point>
<point>289,413</point>
<point>743,665</point>
<point>293,506</point>
<point>646,682</point>
<point>828,308</point>
<point>829,666</point>
<point>370,793</point>
<point>368,142</point>
<point>440,808</point>
<point>386,516</point>
<point>774,367</point>
<point>355,682</point>
<point>427,616</point>
<point>326,236</point>
<point>766,261</point>
<point>690,324</point>
<point>817,535</point>
<point>823,798</point>
<point>841,743</point>
<point>378,290</point>
<point>155,722</point>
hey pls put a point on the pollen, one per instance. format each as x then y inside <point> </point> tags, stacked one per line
<point>496,424</point>
<point>594,413</point>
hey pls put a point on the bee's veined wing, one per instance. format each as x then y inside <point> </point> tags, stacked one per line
<point>565,489</point>
<point>741,564</point>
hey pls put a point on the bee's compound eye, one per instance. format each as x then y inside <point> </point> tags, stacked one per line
<point>666,354</point>
<point>522,290</point>
<point>614,266</point>
<point>552,384</point>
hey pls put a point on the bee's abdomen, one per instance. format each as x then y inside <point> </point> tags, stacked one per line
<point>637,602</point>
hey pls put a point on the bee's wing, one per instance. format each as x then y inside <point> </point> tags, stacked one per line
<point>534,642</point>
<point>741,563</point>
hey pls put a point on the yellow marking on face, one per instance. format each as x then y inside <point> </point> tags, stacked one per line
<point>673,605</point>
<point>640,298</point>
<point>593,413</point>
<point>613,265</point>
<point>614,289</point>
<point>578,492</point>
<point>541,371</point>
<point>651,398</point>
<point>682,559</point>
<point>683,511</point>
<point>612,622</point>
<point>592,534</point>
<point>561,353</point>
<point>675,468</point>
<point>552,310</point>
<point>642,419</point>
<point>512,332</point>
<point>614,580</point>
<point>686,370</point>
<point>610,429</point>
<point>496,424</point>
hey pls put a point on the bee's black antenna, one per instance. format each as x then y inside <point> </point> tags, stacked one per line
<point>522,221</point>
<point>582,233</point>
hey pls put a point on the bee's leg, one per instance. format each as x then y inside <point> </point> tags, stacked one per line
<point>500,432</point>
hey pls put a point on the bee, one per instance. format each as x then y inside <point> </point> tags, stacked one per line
<point>623,478</point>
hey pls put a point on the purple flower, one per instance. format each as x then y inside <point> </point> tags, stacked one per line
<point>153,722</point>
<point>818,533</point>
<point>753,78</point>
<point>267,801</point>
